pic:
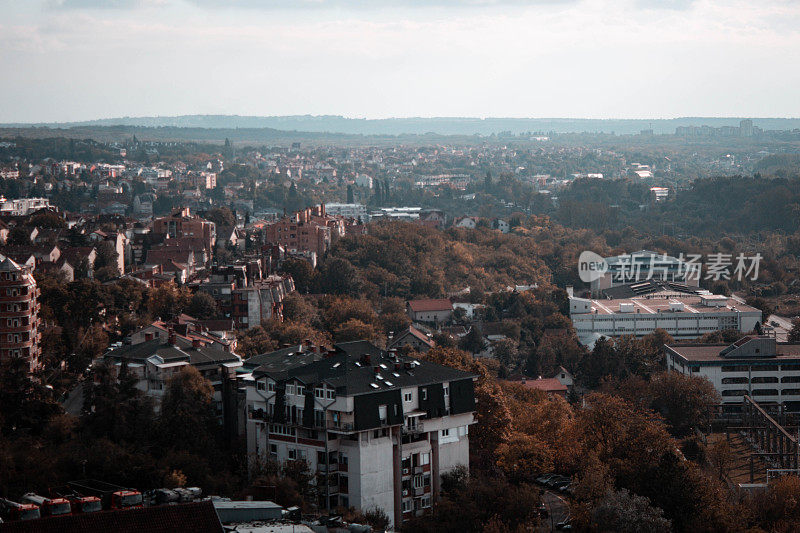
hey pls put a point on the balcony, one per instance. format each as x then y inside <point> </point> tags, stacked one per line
<point>419,491</point>
<point>416,429</point>
<point>333,467</point>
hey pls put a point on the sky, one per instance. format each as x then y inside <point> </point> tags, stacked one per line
<point>70,60</point>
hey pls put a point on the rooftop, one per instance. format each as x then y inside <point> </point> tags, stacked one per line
<point>442,304</point>
<point>359,367</point>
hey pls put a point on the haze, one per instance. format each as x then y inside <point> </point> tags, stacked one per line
<point>84,59</point>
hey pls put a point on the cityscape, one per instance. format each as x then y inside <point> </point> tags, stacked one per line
<point>359,292</point>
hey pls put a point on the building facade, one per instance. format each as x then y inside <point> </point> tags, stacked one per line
<point>756,366</point>
<point>19,313</point>
<point>380,428</point>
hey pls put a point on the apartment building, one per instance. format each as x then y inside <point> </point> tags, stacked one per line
<point>181,224</point>
<point>310,229</point>
<point>19,313</point>
<point>380,428</point>
<point>153,362</point>
<point>757,366</point>
<point>645,265</point>
<point>640,309</point>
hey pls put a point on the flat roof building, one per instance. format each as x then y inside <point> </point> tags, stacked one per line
<point>640,309</point>
<point>757,366</point>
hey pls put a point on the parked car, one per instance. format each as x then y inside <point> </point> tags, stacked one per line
<point>552,482</point>
<point>545,478</point>
<point>565,525</point>
<point>543,512</point>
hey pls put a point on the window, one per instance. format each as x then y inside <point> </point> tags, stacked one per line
<point>382,414</point>
<point>446,432</point>
<point>260,385</point>
<point>446,390</point>
<point>330,394</point>
<point>408,396</point>
<point>271,386</point>
<point>732,381</point>
<point>765,379</point>
<point>319,393</point>
<point>289,389</point>
<point>301,390</point>
<point>292,453</point>
<point>425,458</point>
<point>419,482</point>
<point>273,450</point>
<point>406,506</point>
<point>424,394</point>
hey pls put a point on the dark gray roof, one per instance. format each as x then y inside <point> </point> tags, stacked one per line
<point>351,372</point>
<point>182,351</point>
<point>281,360</point>
<point>646,287</point>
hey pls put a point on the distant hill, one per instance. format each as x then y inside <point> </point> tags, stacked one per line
<point>421,126</point>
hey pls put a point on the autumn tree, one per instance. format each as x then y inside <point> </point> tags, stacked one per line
<point>203,306</point>
<point>188,419</point>
<point>623,512</point>
<point>168,300</point>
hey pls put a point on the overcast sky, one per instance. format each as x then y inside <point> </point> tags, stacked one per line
<point>65,60</point>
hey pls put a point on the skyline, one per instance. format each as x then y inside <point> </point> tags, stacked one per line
<point>78,61</point>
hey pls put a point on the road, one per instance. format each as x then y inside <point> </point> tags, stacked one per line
<point>73,404</point>
<point>558,509</point>
<point>783,327</point>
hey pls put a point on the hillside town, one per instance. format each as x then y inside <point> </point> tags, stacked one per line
<point>323,338</point>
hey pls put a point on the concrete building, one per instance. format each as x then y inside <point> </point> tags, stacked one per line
<point>354,211</point>
<point>756,366</point>
<point>645,265</point>
<point>19,313</point>
<point>21,207</point>
<point>379,428</point>
<point>683,312</point>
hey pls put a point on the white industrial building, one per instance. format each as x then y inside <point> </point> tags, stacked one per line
<point>640,309</point>
<point>379,428</point>
<point>756,366</point>
<point>354,211</point>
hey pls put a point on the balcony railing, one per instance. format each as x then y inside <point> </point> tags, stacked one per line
<point>414,430</point>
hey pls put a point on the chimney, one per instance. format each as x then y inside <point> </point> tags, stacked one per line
<point>331,353</point>
<point>570,291</point>
<point>365,358</point>
<point>171,339</point>
<point>377,369</point>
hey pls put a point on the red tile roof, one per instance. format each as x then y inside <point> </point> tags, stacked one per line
<point>430,305</point>
<point>545,384</point>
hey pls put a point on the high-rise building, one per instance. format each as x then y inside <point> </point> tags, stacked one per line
<point>19,313</point>
<point>746,128</point>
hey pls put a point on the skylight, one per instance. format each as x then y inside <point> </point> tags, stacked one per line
<point>374,385</point>
<point>389,384</point>
<point>336,365</point>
